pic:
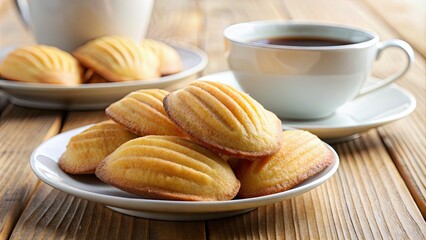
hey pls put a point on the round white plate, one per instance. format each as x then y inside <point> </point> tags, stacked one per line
<point>99,95</point>
<point>361,114</point>
<point>44,164</point>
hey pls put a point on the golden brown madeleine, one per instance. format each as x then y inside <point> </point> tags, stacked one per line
<point>170,61</point>
<point>302,155</point>
<point>169,167</point>
<point>96,78</point>
<point>142,113</point>
<point>85,150</point>
<point>119,59</point>
<point>41,64</point>
<point>224,119</point>
<point>91,77</point>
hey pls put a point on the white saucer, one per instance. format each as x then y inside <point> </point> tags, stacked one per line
<point>44,162</point>
<point>366,112</point>
<point>100,95</point>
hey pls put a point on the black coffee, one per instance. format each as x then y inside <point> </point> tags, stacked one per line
<point>303,41</point>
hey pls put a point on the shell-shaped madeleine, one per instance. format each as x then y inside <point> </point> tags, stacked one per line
<point>224,119</point>
<point>142,113</point>
<point>168,167</point>
<point>302,155</point>
<point>41,64</point>
<point>119,59</point>
<point>170,61</point>
<point>85,150</point>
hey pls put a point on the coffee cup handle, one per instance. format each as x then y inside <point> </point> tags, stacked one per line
<point>405,47</point>
<point>22,7</point>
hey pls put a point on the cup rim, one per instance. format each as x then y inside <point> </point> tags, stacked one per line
<point>374,38</point>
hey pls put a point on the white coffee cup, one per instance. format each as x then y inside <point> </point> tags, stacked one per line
<point>67,24</point>
<point>306,82</point>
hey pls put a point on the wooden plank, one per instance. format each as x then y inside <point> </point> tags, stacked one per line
<point>176,230</point>
<point>53,214</point>
<point>179,21</point>
<point>406,138</point>
<point>407,18</point>
<point>21,130</point>
<point>351,205</point>
<point>220,14</point>
<point>81,118</point>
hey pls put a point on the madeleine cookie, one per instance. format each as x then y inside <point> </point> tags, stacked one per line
<point>168,167</point>
<point>85,150</point>
<point>119,59</point>
<point>170,61</point>
<point>41,64</point>
<point>302,155</point>
<point>142,113</point>
<point>91,77</point>
<point>224,119</point>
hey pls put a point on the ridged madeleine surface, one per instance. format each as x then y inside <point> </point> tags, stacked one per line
<point>119,59</point>
<point>41,64</point>
<point>170,61</point>
<point>224,119</point>
<point>302,155</point>
<point>168,167</point>
<point>85,150</point>
<point>142,113</point>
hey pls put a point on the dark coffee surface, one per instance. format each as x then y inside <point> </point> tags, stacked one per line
<point>303,41</point>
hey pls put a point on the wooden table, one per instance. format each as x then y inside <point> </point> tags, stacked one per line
<point>378,192</point>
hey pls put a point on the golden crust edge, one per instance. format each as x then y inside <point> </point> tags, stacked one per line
<point>65,166</point>
<point>129,126</point>
<point>328,159</point>
<point>155,193</point>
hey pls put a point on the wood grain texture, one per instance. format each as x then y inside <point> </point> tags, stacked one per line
<point>407,18</point>
<point>81,118</point>
<point>21,130</point>
<point>52,214</point>
<point>405,138</point>
<point>222,13</point>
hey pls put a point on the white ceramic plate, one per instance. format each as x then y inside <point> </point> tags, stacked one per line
<point>361,114</point>
<point>44,164</point>
<point>100,95</point>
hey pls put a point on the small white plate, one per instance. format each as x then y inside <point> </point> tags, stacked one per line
<point>44,164</point>
<point>361,114</point>
<point>99,95</point>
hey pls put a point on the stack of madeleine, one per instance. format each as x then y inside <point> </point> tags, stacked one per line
<point>181,146</point>
<point>105,59</point>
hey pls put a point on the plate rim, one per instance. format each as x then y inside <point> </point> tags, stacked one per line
<point>189,206</point>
